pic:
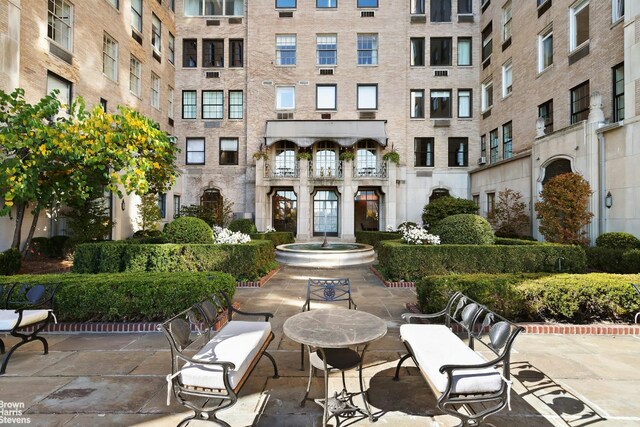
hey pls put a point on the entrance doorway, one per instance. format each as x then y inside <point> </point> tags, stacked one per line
<point>285,211</point>
<point>366,210</point>
<point>325,213</point>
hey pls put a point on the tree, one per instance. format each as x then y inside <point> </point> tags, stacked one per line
<point>90,220</point>
<point>212,215</point>
<point>509,217</point>
<point>563,211</point>
<point>149,212</point>
<point>445,206</point>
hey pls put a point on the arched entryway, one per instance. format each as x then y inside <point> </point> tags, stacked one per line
<point>211,203</point>
<point>555,168</point>
<point>367,210</point>
<point>325,212</point>
<point>285,211</point>
<point>437,193</point>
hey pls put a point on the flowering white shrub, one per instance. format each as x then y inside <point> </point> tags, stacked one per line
<point>390,228</point>
<point>418,236</point>
<point>224,235</point>
<point>270,229</point>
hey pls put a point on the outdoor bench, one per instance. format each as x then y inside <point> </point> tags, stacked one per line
<point>214,365</point>
<point>445,355</point>
<point>24,306</point>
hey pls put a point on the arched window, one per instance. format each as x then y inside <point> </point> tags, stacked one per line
<point>326,159</point>
<point>285,159</point>
<point>211,204</point>
<point>367,158</point>
<point>437,193</point>
<point>555,168</point>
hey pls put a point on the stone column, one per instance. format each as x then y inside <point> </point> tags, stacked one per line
<point>592,170</point>
<point>262,219</point>
<point>347,203</point>
<point>304,202</point>
<point>390,199</point>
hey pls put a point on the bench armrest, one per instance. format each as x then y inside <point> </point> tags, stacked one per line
<point>226,365</point>
<point>448,369</point>
<point>266,315</point>
<point>408,316</point>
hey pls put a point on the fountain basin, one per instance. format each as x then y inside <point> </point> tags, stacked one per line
<point>314,255</point>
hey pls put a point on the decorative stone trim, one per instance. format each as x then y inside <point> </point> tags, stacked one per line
<point>388,284</point>
<point>259,283</point>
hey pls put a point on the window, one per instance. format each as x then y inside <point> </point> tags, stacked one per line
<point>545,49</point>
<point>213,53</point>
<point>545,111</point>
<point>506,21</point>
<point>135,72</point>
<point>476,200</point>
<point>326,159</point>
<point>483,147</point>
<point>367,49</point>
<point>162,205</point>
<point>487,42</point>
<point>172,5</point>
<point>63,85</point>
<point>618,92</point>
<point>580,102</point>
<point>464,103</point>
<point>367,97</point>
<point>286,49</point>
<point>170,103</point>
<point>491,202</point>
<point>228,151</point>
<point>464,51</point>
<point>212,104</point>
<point>493,145</point>
<point>236,53</point>
<point>189,53</point>
<point>195,151</point>
<point>424,152</point>
<point>417,7</point>
<point>367,158</point>
<point>417,51</point>
<point>578,24</point>
<point>487,95</point>
<point>465,7</point>
<point>285,159</point>
<point>367,3</point>
<point>236,104</point>
<point>440,51</point>
<point>189,104</point>
<point>326,3</point>
<point>172,48</point>
<point>115,3</point>
<point>136,15</point>
<point>110,57</point>
<point>458,152</point>
<point>617,10</point>
<point>326,97</point>
<point>285,97</point>
<point>176,206</point>
<point>440,104</point>
<point>440,10</point>
<point>213,7</point>
<point>417,104</point>
<point>507,141</point>
<point>286,4</point>
<point>156,33</point>
<point>155,91</point>
<point>507,79</point>
<point>326,49</point>
<point>60,23</point>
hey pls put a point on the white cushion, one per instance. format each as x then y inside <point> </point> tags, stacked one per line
<point>9,318</point>
<point>435,345</point>
<point>237,342</point>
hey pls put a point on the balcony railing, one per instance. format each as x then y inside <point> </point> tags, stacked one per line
<point>379,171</point>
<point>326,172</point>
<point>280,172</point>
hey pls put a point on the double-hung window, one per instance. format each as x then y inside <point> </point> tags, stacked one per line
<point>465,7</point>
<point>162,205</point>
<point>213,7</point>
<point>367,3</point>
<point>236,53</point>
<point>580,96</point>
<point>156,33</point>
<point>64,88</point>
<point>213,53</point>
<point>458,152</point>
<point>195,151</point>
<point>487,42</point>
<point>170,102</point>
<point>60,23</point>
<point>367,97</point>
<point>507,79</point>
<point>190,53</point>
<point>286,49</point>
<point>618,92</point>
<point>506,21</point>
<point>483,149</point>
<point>578,24</point>
<point>326,49</point>
<point>545,49</point>
<point>135,73</point>
<point>545,110</point>
<point>155,91</point>
<point>136,15</point>
<point>487,95</point>
<point>441,104</point>
<point>285,4</point>
<point>326,97</point>
<point>507,140</point>
<point>324,4</point>
<point>172,48</point>
<point>424,156</point>
<point>110,57</point>
<point>440,51</point>
<point>417,104</point>
<point>285,98</point>
<point>228,151</point>
<point>440,10</point>
<point>236,104</point>
<point>617,10</point>
<point>464,51</point>
<point>176,205</point>
<point>189,104</point>
<point>417,7</point>
<point>493,145</point>
<point>417,52</point>
<point>212,104</point>
<point>464,103</point>
<point>367,49</point>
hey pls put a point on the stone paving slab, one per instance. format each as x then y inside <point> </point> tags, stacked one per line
<point>87,363</point>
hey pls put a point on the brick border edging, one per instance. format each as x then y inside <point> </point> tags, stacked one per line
<point>388,284</point>
<point>566,329</point>
<point>258,283</point>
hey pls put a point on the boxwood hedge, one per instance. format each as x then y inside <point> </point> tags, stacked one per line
<point>399,261</point>
<point>128,296</point>
<point>373,237</point>
<point>276,237</point>
<point>247,261</point>
<point>575,298</point>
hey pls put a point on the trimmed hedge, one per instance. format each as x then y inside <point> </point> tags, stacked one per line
<point>276,237</point>
<point>128,297</point>
<point>247,261</point>
<point>188,229</point>
<point>618,240</point>
<point>373,237</point>
<point>513,241</point>
<point>243,225</point>
<point>621,261</point>
<point>464,229</point>
<point>575,298</point>
<point>398,261</point>
<point>10,262</point>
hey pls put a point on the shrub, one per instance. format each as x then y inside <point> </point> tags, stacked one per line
<point>128,296</point>
<point>398,261</point>
<point>374,237</point>
<point>511,241</point>
<point>224,235</point>
<point>418,236</point>
<point>90,220</point>
<point>57,245</point>
<point>609,260</point>
<point>560,297</point>
<point>10,262</point>
<point>509,217</point>
<point>188,230</point>
<point>276,237</point>
<point>464,229</point>
<point>149,214</point>
<point>39,247</point>
<point>618,240</point>
<point>442,207</point>
<point>243,225</point>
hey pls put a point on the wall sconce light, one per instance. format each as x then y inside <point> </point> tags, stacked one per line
<point>608,200</point>
<point>122,204</point>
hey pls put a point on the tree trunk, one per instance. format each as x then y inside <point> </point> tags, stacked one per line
<point>32,230</point>
<point>17,233</point>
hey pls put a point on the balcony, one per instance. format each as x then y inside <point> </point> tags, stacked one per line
<point>321,173</point>
<point>379,171</point>
<point>281,172</point>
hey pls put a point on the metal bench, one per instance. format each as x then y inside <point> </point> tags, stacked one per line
<point>25,306</point>
<point>209,367</point>
<point>455,372</point>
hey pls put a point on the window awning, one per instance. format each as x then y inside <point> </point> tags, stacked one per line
<point>304,133</point>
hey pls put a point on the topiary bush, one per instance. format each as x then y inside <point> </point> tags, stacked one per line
<point>10,262</point>
<point>464,229</point>
<point>243,225</point>
<point>188,230</point>
<point>618,240</point>
<point>446,206</point>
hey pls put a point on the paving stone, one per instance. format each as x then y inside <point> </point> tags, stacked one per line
<point>94,341</point>
<point>158,363</point>
<point>28,363</point>
<point>99,363</point>
<point>29,390</point>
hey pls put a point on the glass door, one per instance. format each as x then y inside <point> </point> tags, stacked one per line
<point>366,210</point>
<point>325,213</point>
<point>285,211</point>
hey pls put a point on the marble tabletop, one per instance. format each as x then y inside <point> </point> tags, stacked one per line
<point>334,328</point>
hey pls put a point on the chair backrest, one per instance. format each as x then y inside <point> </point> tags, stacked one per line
<point>5,292</point>
<point>30,295</point>
<point>211,308</point>
<point>328,290</point>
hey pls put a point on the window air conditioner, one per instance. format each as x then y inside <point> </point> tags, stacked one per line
<point>482,160</point>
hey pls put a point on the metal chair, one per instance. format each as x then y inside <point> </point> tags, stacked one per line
<point>637,288</point>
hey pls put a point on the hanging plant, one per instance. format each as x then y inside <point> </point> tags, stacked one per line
<point>347,155</point>
<point>261,154</point>
<point>392,156</point>
<point>304,155</point>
